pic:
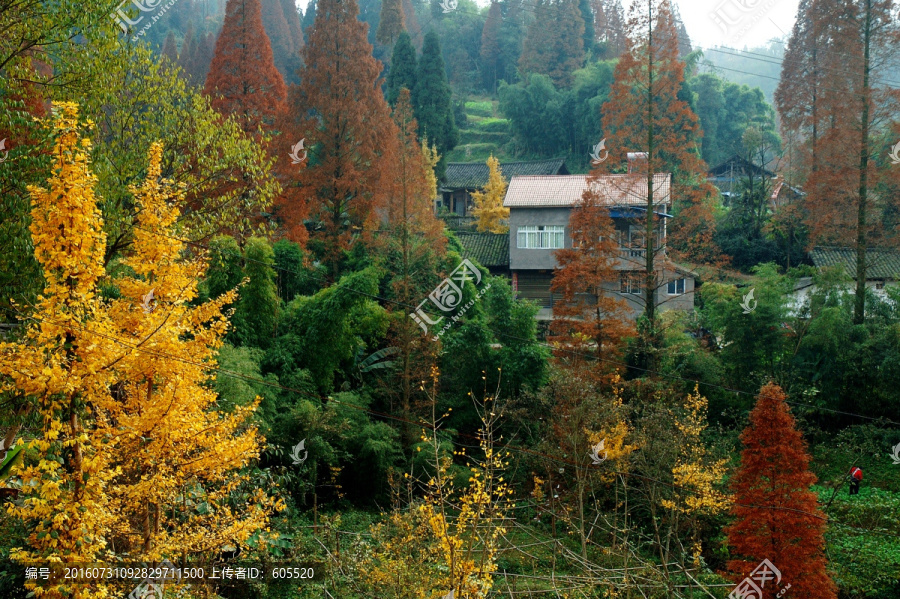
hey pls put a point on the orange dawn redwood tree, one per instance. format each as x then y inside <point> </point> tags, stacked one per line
<point>242,79</point>
<point>833,100</point>
<point>340,111</point>
<point>585,277</point>
<point>777,516</point>
<point>644,114</point>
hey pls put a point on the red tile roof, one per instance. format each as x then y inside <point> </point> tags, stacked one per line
<point>567,190</point>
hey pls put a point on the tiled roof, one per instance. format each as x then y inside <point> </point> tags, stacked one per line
<point>474,175</point>
<point>880,263</point>
<point>566,190</point>
<point>489,249</point>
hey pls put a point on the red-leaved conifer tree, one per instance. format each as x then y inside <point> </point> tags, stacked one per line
<point>340,112</point>
<point>777,516</point>
<point>242,79</point>
<point>590,313</point>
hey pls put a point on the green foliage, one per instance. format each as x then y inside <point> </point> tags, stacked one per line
<point>431,98</point>
<point>864,551</point>
<point>403,67</point>
<point>292,278</point>
<point>323,331</point>
<point>255,318</point>
<point>224,272</point>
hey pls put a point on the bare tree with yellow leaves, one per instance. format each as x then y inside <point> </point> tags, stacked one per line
<point>489,201</point>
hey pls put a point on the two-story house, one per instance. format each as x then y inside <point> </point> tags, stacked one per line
<point>539,210</point>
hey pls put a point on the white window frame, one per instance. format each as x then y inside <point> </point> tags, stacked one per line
<point>630,282</point>
<point>541,237</point>
<point>673,285</point>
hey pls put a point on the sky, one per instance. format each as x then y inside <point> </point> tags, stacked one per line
<point>733,23</point>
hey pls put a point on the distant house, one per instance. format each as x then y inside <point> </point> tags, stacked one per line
<point>882,271</point>
<point>540,207</point>
<point>463,178</point>
<point>728,174</point>
<point>882,265</point>
<point>491,250</point>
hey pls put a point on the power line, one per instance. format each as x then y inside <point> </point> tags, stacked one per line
<point>514,337</point>
<point>433,427</point>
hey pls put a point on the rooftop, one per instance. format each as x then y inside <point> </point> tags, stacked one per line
<point>881,263</point>
<point>489,249</point>
<point>567,190</point>
<point>474,175</point>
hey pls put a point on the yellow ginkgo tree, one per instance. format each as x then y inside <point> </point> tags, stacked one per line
<point>697,477</point>
<point>133,460</point>
<point>489,208</point>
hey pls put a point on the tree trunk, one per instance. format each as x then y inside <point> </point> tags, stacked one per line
<point>859,312</point>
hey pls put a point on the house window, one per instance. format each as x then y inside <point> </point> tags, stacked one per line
<point>543,237</point>
<point>879,284</point>
<point>675,287</point>
<point>631,282</point>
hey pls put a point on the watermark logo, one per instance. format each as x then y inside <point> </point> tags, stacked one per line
<point>729,14</point>
<point>595,153</point>
<point>449,5</point>
<point>295,452</point>
<point>896,455</point>
<point>448,296</point>
<point>894,155</point>
<point>4,150</point>
<point>595,452</point>
<point>745,304</point>
<point>148,302</point>
<point>153,586</point>
<point>295,152</point>
<point>144,6</point>
<point>752,586</point>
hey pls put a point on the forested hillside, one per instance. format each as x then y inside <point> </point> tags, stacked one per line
<point>246,353</point>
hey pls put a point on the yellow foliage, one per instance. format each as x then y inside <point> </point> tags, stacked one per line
<point>489,202</point>
<point>135,461</point>
<point>431,158</point>
<point>696,477</point>
<point>421,554</point>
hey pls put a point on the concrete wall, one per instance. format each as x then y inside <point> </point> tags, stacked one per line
<point>528,259</point>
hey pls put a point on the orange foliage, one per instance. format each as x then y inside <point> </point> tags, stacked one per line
<point>777,516</point>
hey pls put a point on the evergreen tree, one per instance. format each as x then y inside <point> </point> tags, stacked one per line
<point>777,516</point>
<point>554,43</point>
<point>512,30</point>
<point>490,46</point>
<point>340,111</point>
<point>589,38</point>
<point>402,72</point>
<point>279,34</point>
<point>309,18</point>
<point>432,99</point>
<point>296,29</point>
<point>187,54</point>
<point>257,310</point>
<point>206,48</point>
<point>243,80</point>
<point>292,16</point>
<point>391,23</point>
<point>170,49</point>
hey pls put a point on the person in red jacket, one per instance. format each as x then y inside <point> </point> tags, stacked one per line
<point>855,478</point>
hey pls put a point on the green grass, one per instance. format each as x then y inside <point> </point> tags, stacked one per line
<point>471,136</point>
<point>483,108</point>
